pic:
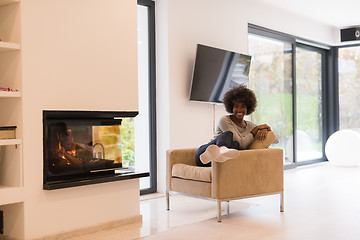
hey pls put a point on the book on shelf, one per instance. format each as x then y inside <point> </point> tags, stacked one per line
<point>8,132</point>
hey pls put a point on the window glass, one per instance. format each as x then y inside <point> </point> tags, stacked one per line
<point>308,104</point>
<point>349,86</point>
<point>142,121</point>
<point>271,79</point>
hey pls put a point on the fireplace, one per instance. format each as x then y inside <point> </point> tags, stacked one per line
<point>82,147</point>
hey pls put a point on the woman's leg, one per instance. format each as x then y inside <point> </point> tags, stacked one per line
<point>200,151</point>
<point>226,139</point>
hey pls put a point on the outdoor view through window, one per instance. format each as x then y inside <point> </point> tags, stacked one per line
<point>349,85</point>
<point>271,77</point>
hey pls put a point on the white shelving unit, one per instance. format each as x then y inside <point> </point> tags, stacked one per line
<point>12,188</point>
<point>11,159</point>
<point>4,94</point>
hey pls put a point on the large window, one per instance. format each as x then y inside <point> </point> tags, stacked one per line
<point>287,78</point>
<point>145,125</point>
<point>349,86</point>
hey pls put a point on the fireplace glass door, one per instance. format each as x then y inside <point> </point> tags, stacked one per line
<point>77,146</point>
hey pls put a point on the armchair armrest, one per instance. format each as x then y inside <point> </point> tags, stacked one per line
<point>174,156</point>
<point>253,172</point>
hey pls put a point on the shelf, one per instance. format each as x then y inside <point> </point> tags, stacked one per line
<point>8,46</point>
<point>5,94</point>
<point>11,195</point>
<point>10,142</point>
<point>6,2</point>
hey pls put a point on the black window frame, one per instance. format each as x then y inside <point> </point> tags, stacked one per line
<point>152,98</point>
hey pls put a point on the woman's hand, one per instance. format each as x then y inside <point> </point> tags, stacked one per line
<point>261,135</point>
<point>261,127</point>
<point>264,126</point>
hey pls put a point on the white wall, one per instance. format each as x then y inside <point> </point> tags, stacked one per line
<point>76,55</point>
<point>222,24</point>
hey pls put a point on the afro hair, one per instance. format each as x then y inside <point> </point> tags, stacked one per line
<point>240,94</point>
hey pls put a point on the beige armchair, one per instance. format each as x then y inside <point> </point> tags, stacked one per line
<point>253,173</point>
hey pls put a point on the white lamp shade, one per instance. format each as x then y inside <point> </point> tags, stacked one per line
<point>343,148</point>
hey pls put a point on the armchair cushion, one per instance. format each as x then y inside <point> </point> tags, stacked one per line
<point>174,156</point>
<point>185,171</point>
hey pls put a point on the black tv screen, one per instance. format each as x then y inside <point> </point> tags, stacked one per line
<point>216,71</point>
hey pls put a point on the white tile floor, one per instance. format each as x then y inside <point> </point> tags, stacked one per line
<point>321,202</point>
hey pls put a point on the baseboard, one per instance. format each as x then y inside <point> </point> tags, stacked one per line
<point>92,229</point>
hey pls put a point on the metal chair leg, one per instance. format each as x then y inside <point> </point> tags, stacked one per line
<point>282,201</point>
<point>219,210</point>
<point>167,200</point>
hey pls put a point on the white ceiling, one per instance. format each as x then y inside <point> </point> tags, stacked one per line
<point>338,13</point>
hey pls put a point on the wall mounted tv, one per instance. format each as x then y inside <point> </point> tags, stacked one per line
<point>216,71</point>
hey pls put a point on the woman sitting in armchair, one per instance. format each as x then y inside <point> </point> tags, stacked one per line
<point>233,131</point>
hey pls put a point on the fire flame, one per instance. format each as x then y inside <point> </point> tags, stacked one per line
<point>66,150</point>
<point>61,153</point>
